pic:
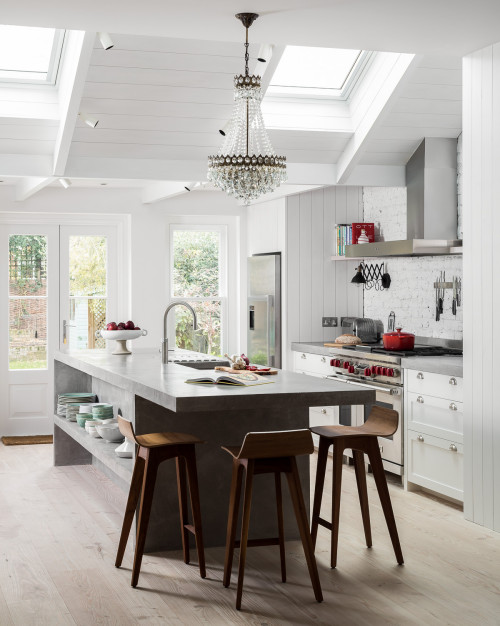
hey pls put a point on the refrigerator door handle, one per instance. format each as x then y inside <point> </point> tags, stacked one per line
<point>270,330</point>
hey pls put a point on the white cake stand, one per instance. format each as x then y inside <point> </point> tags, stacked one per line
<point>121,337</point>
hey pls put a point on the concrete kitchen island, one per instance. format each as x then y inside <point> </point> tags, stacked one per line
<point>156,398</point>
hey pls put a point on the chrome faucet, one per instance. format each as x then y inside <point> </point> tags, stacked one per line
<point>164,342</point>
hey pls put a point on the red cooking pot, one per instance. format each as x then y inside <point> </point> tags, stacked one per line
<point>398,340</point>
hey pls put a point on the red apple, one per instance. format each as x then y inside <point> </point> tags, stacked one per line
<point>137,328</point>
<point>121,326</point>
<point>246,359</point>
<point>129,325</point>
<point>112,326</point>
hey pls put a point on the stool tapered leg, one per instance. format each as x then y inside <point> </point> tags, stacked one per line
<point>183,509</point>
<point>338,451</point>
<point>148,486</point>
<point>301,516</point>
<point>232,522</point>
<point>324,444</point>
<point>359,467</point>
<point>133,499</point>
<point>281,530</point>
<point>195,508</point>
<point>385,499</point>
<point>245,523</point>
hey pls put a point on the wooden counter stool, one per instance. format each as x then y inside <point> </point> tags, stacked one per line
<point>152,450</point>
<point>360,439</point>
<point>268,453</point>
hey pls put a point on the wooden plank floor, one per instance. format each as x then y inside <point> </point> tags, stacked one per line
<point>59,530</point>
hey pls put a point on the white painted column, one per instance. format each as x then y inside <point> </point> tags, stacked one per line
<point>481,188</point>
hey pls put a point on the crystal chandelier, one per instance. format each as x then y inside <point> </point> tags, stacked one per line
<point>247,166</point>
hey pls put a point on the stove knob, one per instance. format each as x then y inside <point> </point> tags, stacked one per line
<point>368,371</point>
<point>391,372</point>
<point>379,370</point>
<point>338,363</point>
<point>345,365</point>
<point>384,371</point>
<point>351,369</point>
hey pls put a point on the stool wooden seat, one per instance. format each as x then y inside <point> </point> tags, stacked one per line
<point>361,440</point>
<point>152,450</point>
<point>268,453</point>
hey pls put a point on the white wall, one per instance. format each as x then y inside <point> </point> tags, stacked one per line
<point>481,202</point>
<point>411,294</point>
<point>148,240</point>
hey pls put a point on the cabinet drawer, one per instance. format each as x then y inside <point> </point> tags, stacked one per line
<point>322,416</point>
<point>311,363</point>
<point>435,416</point>
<point>439,385</point>
<point>436,464</point>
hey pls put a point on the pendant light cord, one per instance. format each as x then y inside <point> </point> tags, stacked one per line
<point>247,57</point>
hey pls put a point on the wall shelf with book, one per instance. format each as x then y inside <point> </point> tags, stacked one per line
<point>349,234</point>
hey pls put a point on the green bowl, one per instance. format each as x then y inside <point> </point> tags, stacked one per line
<point>81,419</point>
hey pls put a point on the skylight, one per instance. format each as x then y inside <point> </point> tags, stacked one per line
<point>29,55</point>
<point>315,71</point>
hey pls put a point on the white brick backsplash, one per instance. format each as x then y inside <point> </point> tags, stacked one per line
<point>411,295</point>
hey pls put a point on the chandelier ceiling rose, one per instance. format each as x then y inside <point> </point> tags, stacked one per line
<point>247,166</point>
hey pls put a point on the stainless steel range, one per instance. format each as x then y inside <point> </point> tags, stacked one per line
<point>374,367</point>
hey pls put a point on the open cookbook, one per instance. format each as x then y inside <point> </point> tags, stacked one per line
<point>245,379</point>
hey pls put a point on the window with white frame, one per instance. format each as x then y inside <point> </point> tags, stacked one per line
<point>198,275</point>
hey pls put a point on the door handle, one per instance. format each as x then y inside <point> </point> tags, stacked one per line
<point>65,335</point>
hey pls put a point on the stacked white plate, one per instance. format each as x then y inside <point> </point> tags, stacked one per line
<point>64,399</point>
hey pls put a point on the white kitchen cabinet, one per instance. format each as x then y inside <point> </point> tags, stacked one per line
<point>434,432</point>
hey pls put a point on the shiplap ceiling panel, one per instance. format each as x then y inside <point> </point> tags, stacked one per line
<point>27,146</point>
<point>157,93</point>
<point>430,105</point>
<point>27,132</point>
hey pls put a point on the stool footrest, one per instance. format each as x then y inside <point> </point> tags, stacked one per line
<point>252,543</point>
<point>190,528</point>
<point>323,522</point>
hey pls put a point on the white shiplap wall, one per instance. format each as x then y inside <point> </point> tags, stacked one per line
<point>318,286</point>
<point>481,221</point>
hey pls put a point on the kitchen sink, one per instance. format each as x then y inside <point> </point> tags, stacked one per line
<point>203,365</point>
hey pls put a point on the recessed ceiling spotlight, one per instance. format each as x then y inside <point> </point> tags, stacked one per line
<point>106,41</point>
<point>191,186</point>
<point>65,182</point>
<point>265,53</point>
<point>89,120</point>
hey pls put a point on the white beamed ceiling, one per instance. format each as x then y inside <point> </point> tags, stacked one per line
<point>161,101</point>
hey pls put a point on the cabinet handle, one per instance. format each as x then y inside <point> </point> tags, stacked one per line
<point>323,360</point>
<point>420,400</point>
<point>420,376</point>
<point>420,438</point>
<point>303,356</point>
<point>453,447</point>
<point>453,381</point>
<point>453,407</point>
<point>323,411</point>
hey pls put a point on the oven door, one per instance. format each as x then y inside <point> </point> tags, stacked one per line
<point>388,397</point>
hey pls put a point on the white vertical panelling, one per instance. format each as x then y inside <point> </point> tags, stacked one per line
<point>317,263</point>
<point>292,305</point>
<point>481,198</point>
<point>329,268</point>
<point>354,208</point>
<point>305,256</point>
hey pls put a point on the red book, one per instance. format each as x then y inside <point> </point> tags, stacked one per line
<point>365,230</point>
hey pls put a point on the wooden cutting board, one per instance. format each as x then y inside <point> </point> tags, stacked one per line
<point>341,345</point>
<point>229,370</point>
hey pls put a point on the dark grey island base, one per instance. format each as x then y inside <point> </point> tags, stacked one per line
<point>157,399</point>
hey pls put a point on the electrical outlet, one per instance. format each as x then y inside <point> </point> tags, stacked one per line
<point>330,322</point>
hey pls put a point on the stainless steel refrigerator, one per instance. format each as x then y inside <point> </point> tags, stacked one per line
<point>264,309</point>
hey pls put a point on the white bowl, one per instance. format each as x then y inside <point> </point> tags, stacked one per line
<point>110,433</point>
<point>122,334</point>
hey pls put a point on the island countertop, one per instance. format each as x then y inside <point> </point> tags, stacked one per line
<point>142,374</point>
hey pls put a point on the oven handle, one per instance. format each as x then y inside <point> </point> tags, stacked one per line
<point>393,391</point>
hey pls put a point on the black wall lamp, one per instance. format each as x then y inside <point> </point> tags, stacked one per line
<point>372,276</point>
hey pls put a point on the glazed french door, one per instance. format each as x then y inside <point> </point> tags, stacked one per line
<point>88,284</point>
<point>29,323</point>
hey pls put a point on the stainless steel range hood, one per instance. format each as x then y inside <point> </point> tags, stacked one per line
<point>431,181</point>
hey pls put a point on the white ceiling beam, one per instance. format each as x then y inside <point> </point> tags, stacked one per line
<point>77,56</point>
<point>165,189</point>
<point>30,185</point>
<point>378,176</point>
<point>371,107</point>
